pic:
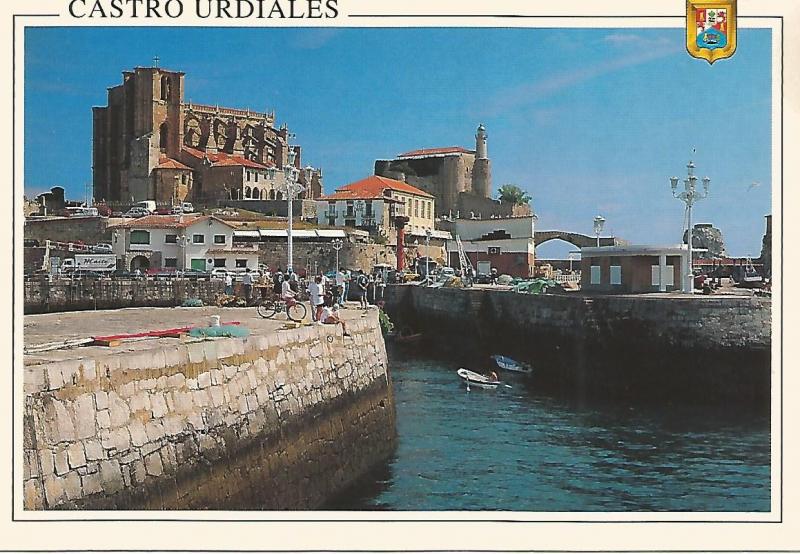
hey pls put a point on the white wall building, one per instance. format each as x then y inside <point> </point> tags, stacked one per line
<point>181,242</point>
<point>506,242</point>
<point>372,202</point>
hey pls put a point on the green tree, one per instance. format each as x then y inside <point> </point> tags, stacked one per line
<point>513,194</point>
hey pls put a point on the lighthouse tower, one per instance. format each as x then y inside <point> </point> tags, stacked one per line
<point>482,170</point>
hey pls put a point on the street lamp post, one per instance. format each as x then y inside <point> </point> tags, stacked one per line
<point>183,241</point>
<point>599,221</point>
<point>291,186</point>
<point>689,196</point>
<point>337,245</point>
<point>428,256</point>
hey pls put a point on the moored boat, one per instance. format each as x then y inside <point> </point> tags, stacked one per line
<point>476,379</point>
<point>509,364</point>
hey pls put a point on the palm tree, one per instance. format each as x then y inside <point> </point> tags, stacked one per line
<point>513,194</point>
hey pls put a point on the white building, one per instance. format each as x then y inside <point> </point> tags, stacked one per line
<point>371,204</point>
<point>181,242</point>
<point>506,242</point>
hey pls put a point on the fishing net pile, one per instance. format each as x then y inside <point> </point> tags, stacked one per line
<point>219,331</point>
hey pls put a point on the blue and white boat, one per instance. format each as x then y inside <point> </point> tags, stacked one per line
<point>508,364</point>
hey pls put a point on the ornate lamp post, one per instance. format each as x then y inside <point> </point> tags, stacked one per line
<point>599,221</point>
<point>428,255</point>
<point>337,245</point>
<point>689,196</point>
<point>291,187</point>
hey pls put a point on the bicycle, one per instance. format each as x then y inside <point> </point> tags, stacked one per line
<point>270,308</point>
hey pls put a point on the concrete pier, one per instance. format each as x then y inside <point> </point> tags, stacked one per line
<point>658,347</point>
<point>283,419</point>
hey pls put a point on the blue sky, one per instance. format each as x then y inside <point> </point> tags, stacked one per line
<point>586,120</point>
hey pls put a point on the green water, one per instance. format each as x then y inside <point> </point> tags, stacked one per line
<point>521,450</point>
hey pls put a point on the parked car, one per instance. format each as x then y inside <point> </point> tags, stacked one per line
<point>137,212</point>
<point>219,273</point>
<point>102,248</point>
<point>121,274</point>
<point>30,243</point>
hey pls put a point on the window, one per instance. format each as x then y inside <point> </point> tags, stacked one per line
<point>256,176</point>
<point>368,210</point>
<point>140,237</point>
<point>616,275</point>
<point>241,262</point>
<point>171,239</point>
<point>416,208</point>
<point>247,175</point>
<point>163,136</point>
<point>331,209</point>
<point>350,212</point>
<point>170,262</point>
<point>331,221</point>
<point>198,239</point>
<point>669,275</point>
<point>219,262</point>
<point>595,275</point>
<point>219,239</point>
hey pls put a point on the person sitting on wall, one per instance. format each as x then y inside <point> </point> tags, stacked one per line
<point>330,316</point>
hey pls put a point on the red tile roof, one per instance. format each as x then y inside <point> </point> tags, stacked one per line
<point>167,221</point>
<point>373,187</point>
<point>435,151</point>
<point>220,159</point>
<point>168,163</point>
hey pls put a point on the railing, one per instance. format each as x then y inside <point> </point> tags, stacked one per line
<point>569,278</point>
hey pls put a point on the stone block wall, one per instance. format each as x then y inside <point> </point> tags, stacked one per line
<point>283,421</point>
<point>351,256</point>
<point>706,348</point>
<point>90,230</point>
<point>42,296</point>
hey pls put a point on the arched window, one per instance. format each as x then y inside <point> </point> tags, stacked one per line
<point>166,85</point>
<point>272,195</point>
<point>279,196</point>
<point>247,192</point>
<point>163,136</point>
<point>263,195</point>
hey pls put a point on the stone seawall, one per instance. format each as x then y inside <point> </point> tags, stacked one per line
<point>281,421</point>
<point>42,296</point>
<point>661,347</point>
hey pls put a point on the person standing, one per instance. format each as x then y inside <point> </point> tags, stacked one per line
<point>315,293</point>
<point>277,281</point>
<point>229,284</point>
<point>362,283</point>
<point>340,285</point>
<point>247,281</point>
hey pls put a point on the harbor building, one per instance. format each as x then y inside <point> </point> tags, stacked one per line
<point>507,242</point>
<point>633,268</point>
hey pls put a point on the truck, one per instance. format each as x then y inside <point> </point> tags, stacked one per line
<point>100,263</point>
<point>149,205</point>
<point>483,271</point>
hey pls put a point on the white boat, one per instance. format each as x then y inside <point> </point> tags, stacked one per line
<point>476,379</point>
<point>504,362</point>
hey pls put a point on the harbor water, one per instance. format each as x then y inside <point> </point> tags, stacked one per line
<point>519,449</point>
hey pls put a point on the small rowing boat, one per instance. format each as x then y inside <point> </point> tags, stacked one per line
<point>504,362</point>
<point>476,379</point>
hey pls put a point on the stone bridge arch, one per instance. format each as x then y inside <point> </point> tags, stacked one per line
<point>576,239</point>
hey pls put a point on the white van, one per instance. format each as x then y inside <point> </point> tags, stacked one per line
<point>82,211</point>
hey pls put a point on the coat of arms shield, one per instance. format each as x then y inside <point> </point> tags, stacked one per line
<point>711,29</point>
